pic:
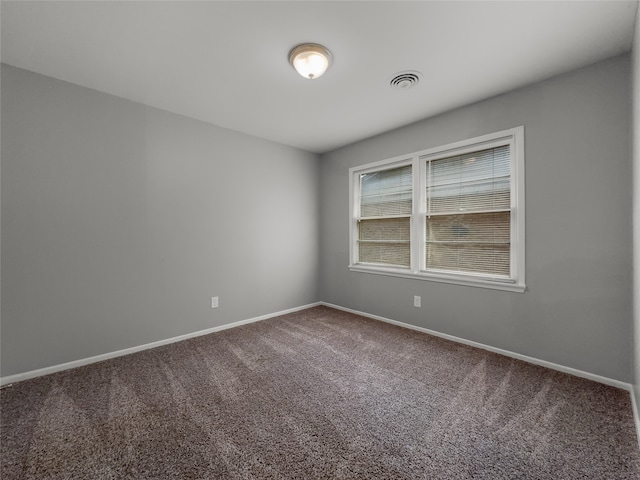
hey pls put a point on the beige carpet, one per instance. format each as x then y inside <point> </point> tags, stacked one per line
<point>316,394</point>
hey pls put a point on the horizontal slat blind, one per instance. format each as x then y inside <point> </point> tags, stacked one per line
<point>385,241</point>
<point>384,228</point>
<point>387,192</point>
<point>468,212</point>
<point>474,181</point>
<point>469,243</point>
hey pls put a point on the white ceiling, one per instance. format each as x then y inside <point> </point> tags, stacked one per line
<point>226,62</point>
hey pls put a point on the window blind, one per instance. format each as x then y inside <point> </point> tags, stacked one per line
<point>384,226</point>
<point>469,212</point>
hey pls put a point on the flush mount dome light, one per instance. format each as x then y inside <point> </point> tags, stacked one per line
<point>310,60</point>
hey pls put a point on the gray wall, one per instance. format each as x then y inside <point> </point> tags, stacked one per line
<point>119,222</point>
<point>576,311</point>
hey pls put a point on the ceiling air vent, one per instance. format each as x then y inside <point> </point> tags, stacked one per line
<point>405,80</point>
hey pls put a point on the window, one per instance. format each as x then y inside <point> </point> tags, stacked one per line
<point>384,229</point>
<point>451,214</point>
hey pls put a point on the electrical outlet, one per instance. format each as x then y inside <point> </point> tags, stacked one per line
<point>417,301</point>
<point>214,302</point>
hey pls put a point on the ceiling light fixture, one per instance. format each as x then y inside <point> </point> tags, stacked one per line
<point>310,60</point>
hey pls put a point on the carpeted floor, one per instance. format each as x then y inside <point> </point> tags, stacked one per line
<point>317,394</point>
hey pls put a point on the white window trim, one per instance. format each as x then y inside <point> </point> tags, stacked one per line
<point>516,282</point>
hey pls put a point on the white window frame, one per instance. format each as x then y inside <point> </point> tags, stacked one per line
<point>516,281</point>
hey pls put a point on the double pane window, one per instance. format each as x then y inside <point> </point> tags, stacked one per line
<point>453,214</point>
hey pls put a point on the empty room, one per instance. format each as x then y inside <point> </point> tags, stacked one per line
<point>320,239</point>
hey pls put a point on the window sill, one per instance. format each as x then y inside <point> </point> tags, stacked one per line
<point>466,280</point>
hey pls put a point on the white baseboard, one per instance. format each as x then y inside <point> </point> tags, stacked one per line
<point>525,358</point>
<point>9,379</point>
<point>636,413</point>
<point>98,358</point>
<point>535,361</point>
